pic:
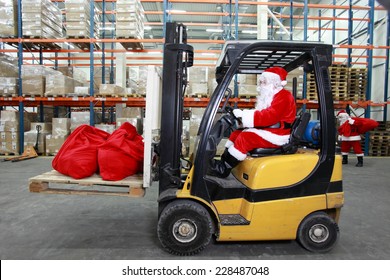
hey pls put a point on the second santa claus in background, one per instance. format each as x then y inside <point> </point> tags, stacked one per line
<point>349,133</point>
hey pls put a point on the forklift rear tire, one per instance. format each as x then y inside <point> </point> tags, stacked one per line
<point>185,227</point>
<point>318,233</point>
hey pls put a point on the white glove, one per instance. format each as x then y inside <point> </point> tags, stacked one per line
<point>237,113</point>
<point>340,138</point>
<point>351,121</point>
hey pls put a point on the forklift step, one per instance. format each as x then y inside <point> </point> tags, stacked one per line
<point>233,220</point>
<point>131,186</point>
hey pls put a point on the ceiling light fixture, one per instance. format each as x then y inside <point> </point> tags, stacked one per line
<point>214,30</point>
<point>249,31</point>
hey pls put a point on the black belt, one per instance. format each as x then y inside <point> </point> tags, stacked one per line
<point>277,125</point>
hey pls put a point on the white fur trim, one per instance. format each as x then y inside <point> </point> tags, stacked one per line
<point>228,143</point>
<point>359,155</point>
<point>236,153</point>
<point>248,118</point>
<point>271,75</point>
<point>344,154</point>
<point>351,138</point>
<point>273,138</point>
<point>351,121</point>
<point>284,83</point>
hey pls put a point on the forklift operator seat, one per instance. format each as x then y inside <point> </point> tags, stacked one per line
<point>297,130</point>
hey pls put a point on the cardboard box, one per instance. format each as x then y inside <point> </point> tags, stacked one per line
<point>8,66</point>
<point>136,122</point>
<point>60,127</point>
<point>54,144</point>
<point>79,118</point>
<point>110,89</point>
<point>45,127</point>
<point>81,91</point>
<point>59,85</point>
<point>9,147</point>
<point>33,85</point>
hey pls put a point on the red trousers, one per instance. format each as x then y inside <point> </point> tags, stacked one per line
<point>347,145</point>
<point>247,141</point>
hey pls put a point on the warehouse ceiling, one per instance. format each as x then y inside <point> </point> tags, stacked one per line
<point>204,21</point>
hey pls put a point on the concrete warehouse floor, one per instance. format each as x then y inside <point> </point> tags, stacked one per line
<point>46,226</point>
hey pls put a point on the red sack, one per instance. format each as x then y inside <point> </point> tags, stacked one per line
<point>364,125</point>
<point>77,157</point>
<point>122,155</point>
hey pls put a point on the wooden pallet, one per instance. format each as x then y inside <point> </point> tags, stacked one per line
<point>131,186</point>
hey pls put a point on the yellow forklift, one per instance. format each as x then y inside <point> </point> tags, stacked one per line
<point>291,193</point>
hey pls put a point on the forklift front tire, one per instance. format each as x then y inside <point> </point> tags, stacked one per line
<point>318,233</point>
<point>185,227</point>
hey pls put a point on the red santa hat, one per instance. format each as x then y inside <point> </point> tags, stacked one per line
<point>277,71</point>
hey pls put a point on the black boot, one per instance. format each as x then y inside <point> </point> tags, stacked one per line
<point>345,159</point>
<point>221,168</point>
<point>360,162</point>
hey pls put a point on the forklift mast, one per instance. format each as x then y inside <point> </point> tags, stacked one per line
<point>178,56</point>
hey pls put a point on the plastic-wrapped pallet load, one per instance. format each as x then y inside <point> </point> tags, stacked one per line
<point>60,131</point>
<point>41,18</point>
<point>79,118</point>
<point>8,76</point>
<point>37,135</point>
<point>78,19</point>
<point>9,131</point>
<point>8,18</point>
<point>34,79</point>
<point>111,90</point>
<point>130,20</point>
<point>8,86</point>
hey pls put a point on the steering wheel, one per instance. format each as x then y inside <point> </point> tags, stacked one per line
<point>229,111</point>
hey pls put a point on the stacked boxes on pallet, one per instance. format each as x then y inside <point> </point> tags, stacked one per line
<point>129,19</point>
<point>41,18</point>
<point>198,82</point>
<point>9,131</point>
<point>247,85</point>
<point>60,85</point>
<point>132,115</point>
<point>8,18</point>
<point>110,90</point>
<point>37,135</point>
<point>137,81</point>
<point>79,118</point>
<point>60,131</point>
<point>78,19</point>
<point>8,76</point>
<point>34,79</point>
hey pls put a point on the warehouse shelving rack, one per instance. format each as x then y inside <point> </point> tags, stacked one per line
<point>168,15</point>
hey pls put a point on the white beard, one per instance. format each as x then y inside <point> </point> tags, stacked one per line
<point>264,99</point>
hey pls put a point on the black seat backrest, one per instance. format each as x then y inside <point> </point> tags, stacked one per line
<point>297,131</point>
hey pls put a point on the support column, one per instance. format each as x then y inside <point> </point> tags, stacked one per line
<point>262,20</point>
<point>120,70</point>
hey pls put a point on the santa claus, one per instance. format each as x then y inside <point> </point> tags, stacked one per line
<point>349,134</point>
<point>268,125</point>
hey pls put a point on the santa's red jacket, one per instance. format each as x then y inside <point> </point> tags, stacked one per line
<point>282,111</point>
<point>352,128</point>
